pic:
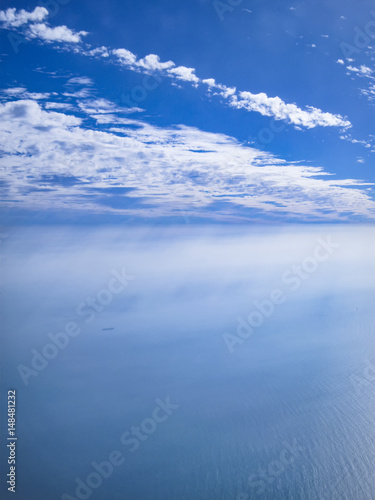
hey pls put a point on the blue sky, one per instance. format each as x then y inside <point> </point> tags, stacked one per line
<point>186,111</point>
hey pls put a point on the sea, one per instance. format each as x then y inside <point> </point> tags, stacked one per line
<point>189,362</point>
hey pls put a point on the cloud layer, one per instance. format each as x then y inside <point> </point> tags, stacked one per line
<point>61,160</point>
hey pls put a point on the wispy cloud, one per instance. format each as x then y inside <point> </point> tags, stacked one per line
<point>363,70</point>
<point>57,105</point>
<point>349,138</point>
<point>80,80</point>
<point>23,93</point>
<point>170,169</point>
<point>369,92</point>
<point>99,107</point>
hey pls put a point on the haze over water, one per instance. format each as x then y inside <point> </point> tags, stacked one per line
<point>287,415</point>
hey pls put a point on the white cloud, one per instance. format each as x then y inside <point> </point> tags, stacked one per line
<point>99,51</point>
<point>80,80</point>
<point>152,62</point>
<point>57,34</point>
<point>37,95</point>
<point>126,57</point>
<point>22,93</point>
<point>28,113</point>
<point>112,119</point>
<point>15,91</point>
<point>96,108</point>
<point>185,74</point>
<point>369,93</point>
<point>362,70</point>
<point>340,61</point>
<point>12,18</point>
<point>261,103</point>
<point>349,138</point>
<point>171,168</point>
<point>210,82</point>
<point>79,94</point>
<point>274,106</point>
<point>227,91</point>
<point>57,105</point>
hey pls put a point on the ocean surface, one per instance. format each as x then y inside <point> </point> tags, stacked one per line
<point>171,363</point>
